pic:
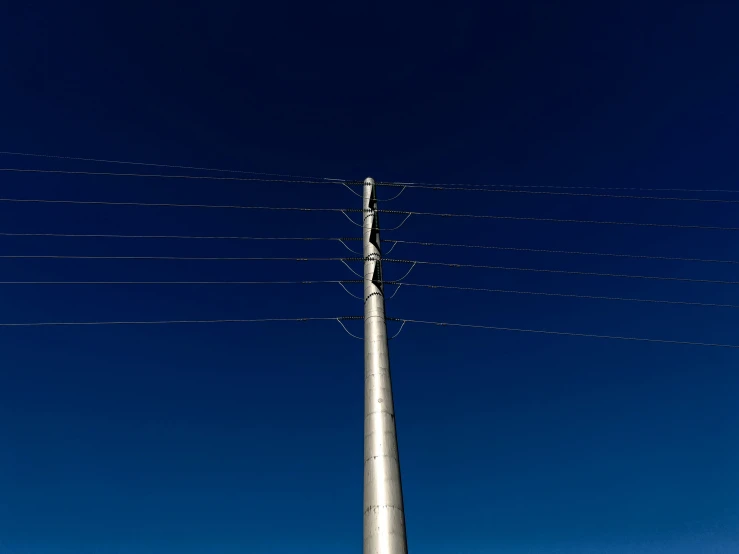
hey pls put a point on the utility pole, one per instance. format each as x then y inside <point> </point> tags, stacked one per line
<point>384,517</point>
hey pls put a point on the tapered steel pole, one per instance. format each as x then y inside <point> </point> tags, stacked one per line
<point>384,517</point>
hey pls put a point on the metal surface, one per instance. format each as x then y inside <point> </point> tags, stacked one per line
<point>384,518</point>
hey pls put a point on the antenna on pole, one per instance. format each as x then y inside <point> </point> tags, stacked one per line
<point>384,517</point>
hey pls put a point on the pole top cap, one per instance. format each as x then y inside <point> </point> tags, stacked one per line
<point>369,181</point>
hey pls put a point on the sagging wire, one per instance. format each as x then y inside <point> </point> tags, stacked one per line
<point>406,275</point>
<point>396,291</point>
<point>347,247</point>
<point>409,214</point>
<point>351,220</point>
<point>399,330</point>
<point>348,187</point>
<point>350,269</point>
<point>394,197</point>
<point>348,291</point>
<point>347,330</point>
<point>395,243</point>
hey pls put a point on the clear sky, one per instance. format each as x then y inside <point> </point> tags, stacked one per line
<point>224,439</point>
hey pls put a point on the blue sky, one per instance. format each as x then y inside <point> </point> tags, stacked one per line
<point>247,438</point>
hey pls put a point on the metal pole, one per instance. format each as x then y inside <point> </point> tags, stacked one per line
<point>384,518</point>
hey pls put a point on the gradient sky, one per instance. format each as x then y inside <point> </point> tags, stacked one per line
<point>224,439</point>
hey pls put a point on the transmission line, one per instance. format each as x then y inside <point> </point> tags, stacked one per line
<point>187,237</point>
<point>563,295</point>
<point>397,212</point>
<point>325,180</point>
<point>192,258</point>
<point>321,282</point>
<point>484,186</point>
<point>556,220</point>
<point>340,319</point>
<point>563,271</point>
<point>565,333</point>
<point>174,205</point>
<point>568,252</point>
<point>393,241</point>
<point>398,283</point>
<point>452,186</point>
<point>169,166</point>
<point>357,259</point>
<point>551,193</point>
<point>320,181</point>
<point>171,322</point>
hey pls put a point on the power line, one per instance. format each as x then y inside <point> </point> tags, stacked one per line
<point>569,252</point>
<point>325,180</point>
<point>396,282</point>
<point>188,237</point>
<point>171,322</point>
<point>169,166</point>
<point>563,271</point>
<point>483,186</point>
<point>563,295</point>
<point>565,333</point>
<point>323,282</point>
<point>170,205</point>
<point>392,183</point>
<point>396,212</point>
<point>555,220</point>
<point>320,181</point>
<point>356,259</point>
<point>192,258</point>
<point>344,318</point>
<point>569,194</point>
<point>393,241</point>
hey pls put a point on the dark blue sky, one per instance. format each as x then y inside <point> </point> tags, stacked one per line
<point>221,439</point>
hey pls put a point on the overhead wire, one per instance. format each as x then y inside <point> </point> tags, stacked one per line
<point>566,333</point>
<point>394,242</point>
<point>302,282</point>
<point>347,330</point>
<point>408,214</point>
<point>381,183</point>
<point>563,271</point>
<point>395,336</point>
<point>565,295</point>
<point>189,237</point>
<point>551,193</point>
<point>170,322</point>
<point>192,258</point>
<point>557,220</point>
<point>350,293</point>
<point>174,205</point>
<point>168,166</point>
<point>343,260</point>
<point>365,227</point>
<point>552,251</point>
<point>357,259</point>
<point>397,282</point>
<point>319,181</point>
<point>572,187</point>
<point>325,180</point>
<point>351,269</point>
<point>341,319</point>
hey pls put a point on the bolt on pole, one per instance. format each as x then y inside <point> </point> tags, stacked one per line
<point>384,517</point>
